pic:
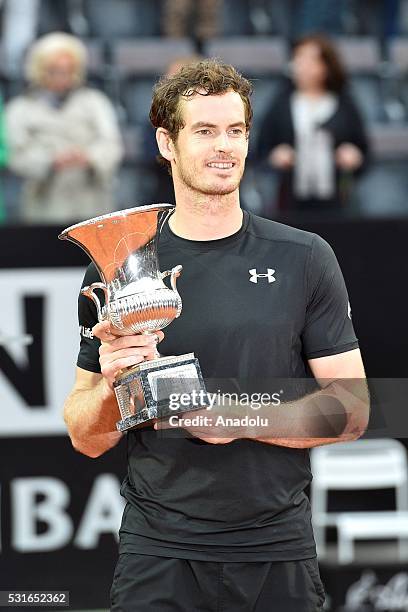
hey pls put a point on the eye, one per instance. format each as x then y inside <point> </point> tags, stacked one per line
<point>204,131</point>
<point>237,132</point>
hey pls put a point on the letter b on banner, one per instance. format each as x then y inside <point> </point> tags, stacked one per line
<point>50,509</point>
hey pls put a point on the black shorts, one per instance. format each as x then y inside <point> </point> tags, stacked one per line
<point>144,583</point>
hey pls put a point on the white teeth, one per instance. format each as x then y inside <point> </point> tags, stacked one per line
<point>222,166</point>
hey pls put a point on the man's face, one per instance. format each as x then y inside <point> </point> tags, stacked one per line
<point>211,148</point>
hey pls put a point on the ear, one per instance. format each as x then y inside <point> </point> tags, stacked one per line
<point>165,144</point>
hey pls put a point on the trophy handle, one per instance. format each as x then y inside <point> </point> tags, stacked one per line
<point>174,273</point>
<point>89,292</point>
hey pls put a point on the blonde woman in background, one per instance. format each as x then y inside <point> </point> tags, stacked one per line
<point>63,136</point>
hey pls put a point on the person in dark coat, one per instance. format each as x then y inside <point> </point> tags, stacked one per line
<point>313,134</point>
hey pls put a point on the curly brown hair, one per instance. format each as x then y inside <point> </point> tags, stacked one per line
<point>336,74</point>
<point>207,78</point>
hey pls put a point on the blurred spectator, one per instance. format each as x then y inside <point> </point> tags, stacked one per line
<point>198,18</point>
<point>313,133</point>
<point>63,136</point>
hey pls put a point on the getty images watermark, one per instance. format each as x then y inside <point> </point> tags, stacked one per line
<point>208,401</point>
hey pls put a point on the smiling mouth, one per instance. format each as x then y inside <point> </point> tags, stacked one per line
<point>221,165</point>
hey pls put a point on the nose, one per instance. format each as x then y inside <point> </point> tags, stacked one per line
<point>222,143</point>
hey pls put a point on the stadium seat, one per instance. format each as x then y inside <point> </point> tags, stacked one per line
<point>137,185</point>
<point>362,59</point>
<point>235,18</point>
<point>122,18</point>
<point>359,54</point>
<point>398,53</point>
<point>149,56</point>
<point>389,142</point>
<point>96,56</point>
<point>132,136</point>
<point>259,190</point>
<point>11,83</point>
<point>10,86</point>
<point>382,190</point>
<point>363,464</point>
<point>367,94</point>
<point>398,60</point>
<point>59,16</point>
<point>371,526</point>
<point>275,17</point>
<point>11,186</point>
<point>253,56</point>
<point>265,90</point>
<point>98,71</point>
<point>136,67</point>
<point>136,95</point>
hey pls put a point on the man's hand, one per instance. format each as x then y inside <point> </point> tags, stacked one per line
<point>205,427</point>
<point>336,413</point>
<point>119,352</point>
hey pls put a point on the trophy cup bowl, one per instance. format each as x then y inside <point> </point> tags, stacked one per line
<point>123,246</point>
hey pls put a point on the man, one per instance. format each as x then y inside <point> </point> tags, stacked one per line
<point>218,519</point>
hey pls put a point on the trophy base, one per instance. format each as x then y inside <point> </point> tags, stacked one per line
<point>159,388</point>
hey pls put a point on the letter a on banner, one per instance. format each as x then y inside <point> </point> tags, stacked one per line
<point>103,512</point>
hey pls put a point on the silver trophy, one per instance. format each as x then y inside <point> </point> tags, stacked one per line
<point>123,247</point>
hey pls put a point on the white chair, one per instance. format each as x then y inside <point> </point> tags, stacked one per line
<point>363,464</point>
<point>370,526</point>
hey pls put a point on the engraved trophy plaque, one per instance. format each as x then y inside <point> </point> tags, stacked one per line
<point>123,247</point>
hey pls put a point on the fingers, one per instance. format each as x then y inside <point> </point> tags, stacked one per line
<point>114,361</point>
<point>111,367</point>
<point>106,353</point>
<point>117,353</point>
<point>106,332</point>
<point>136,341</point>
<point>103,331</point>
